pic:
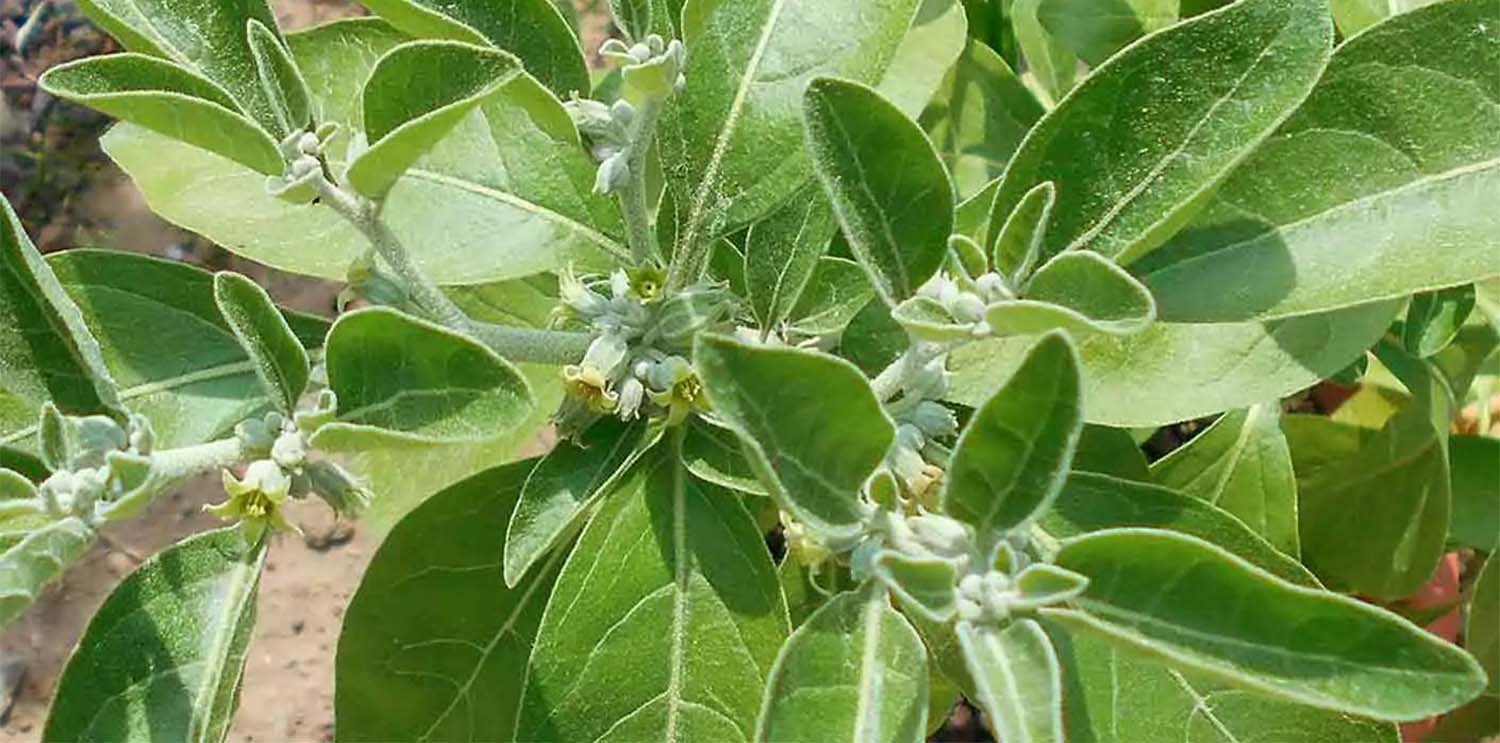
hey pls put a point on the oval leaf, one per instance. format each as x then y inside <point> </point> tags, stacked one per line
<point>978,117</point>
<point>780,400</point>
<point>855,671</point>
<point>41,556</point>
<point>1014,454</point>
<point>888,187</point>
<point>1212,88</point>
<point>1201,608</point>
<point>417,93</point>
<point>432,585</point>
<point>162,658</point>
<point>285,90</point>
<point>1099,294</point>
<point>782,253</point>
<point>400,379</point>
<point>1016,679</point>
<point>1433,319</point>
<point>836,293</point>
<point>280,360</point>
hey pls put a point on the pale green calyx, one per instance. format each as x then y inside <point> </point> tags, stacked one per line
<point>95,462</point>
<point>303,152</point>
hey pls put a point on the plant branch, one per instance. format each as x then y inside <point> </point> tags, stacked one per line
<point>890,381</point>
<point>635,203</point>
<point>171,466</point>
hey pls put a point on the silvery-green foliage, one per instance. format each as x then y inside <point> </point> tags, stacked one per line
<point>847,319</point>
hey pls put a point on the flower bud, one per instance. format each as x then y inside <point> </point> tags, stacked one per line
<point>934,420</point>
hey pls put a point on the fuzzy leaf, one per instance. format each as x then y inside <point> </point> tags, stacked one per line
<point>668,581</point>
<point>29,564</point>
<point>1138,145</point>
<point>1096,29</point>
<point>285,90</point>
<point>1200,608</point>
<point>1381,182</point>
<point>1019,233</point>
<point>1051,64</point>
<point>279,358</point>
<point>1017,679</point>
<point>835,294</point>
<point>1241,464</point>
<point>779,400</point>
<point>162,658</point>
<point>929,50</point>
<point>533,30</point>
<point>782,253</point>
<point>978,117</point>
<point>1081,292</point>
<point>1014,454</point>
<point>888,187</point>
<point>924,585</point>
<point>855,671</point>
<point>714,454</point>
<point>433,584</point>
<point>400,379</point>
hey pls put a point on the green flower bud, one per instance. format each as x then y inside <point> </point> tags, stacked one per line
<point>934,420</point>
<point>337,488</point>
<point>684,315</point>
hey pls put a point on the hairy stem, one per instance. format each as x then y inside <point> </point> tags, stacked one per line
<point>516,344</point>
<point>890,381</point>
<point>635,203</point>
<point>171,466</point>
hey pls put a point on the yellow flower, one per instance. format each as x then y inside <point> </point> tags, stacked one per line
<point>255,501</point>
<point>646,283</point>
<point>588,385</point>
<point>682,396</point>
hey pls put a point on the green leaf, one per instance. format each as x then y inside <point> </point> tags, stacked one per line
<point>533,30</point>
<point>162,658</point>
<point>638,17</point>
<point>978,117</point>
<point>1019,233</point>
<point>1383,169</point>
<point>515,168</point>
<point>1372,495</point>
<point>1243,465</point>
<point>1078,291</point>
<point>835,294</point>
<point>1096,29</point>
<point>1172,372</point>
<point>209,37</point>
<point>1433,319</point>
<point>779,400</point>
<point>1017,679</point>
<point>169,99</point>
<point>714,455</point>
<point>855,671</point>
<point>280,360</point>
<point>782,253</point>
<point>417,93</point>
<point>285,90</point>
<point>563,486</point>
<point>1012,458</point>
<point>1139,144</point>
<point>1482,625</point>
<point>1052,65</point>
<point>1474,469</point>
<point>46,351</point>
<point>35,560</point>
<point>929,50</point>
<point>1092,502</point>
<point>1110,451</point>
<point>1354,16</point>
<point>926,319</point>
<point>428,608</point>
<point>1117,696</point>
<point>888,187</point>
<point>1202,609</point>
<point>664,623</point>
<point>924,585</point>
<point>400,379</point>
<point>731,141</point>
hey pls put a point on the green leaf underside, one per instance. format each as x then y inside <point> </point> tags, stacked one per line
<point>561,488</point>
<point>514,168</point>
<point>1116,696</point>
<point>1092,294</point>
<point>1241,464</point>
<point>782,254</point>
<point>1017,678</point>
<point>1144,138</point>
<point>429,608</point>
<point>161,660</point>
<point>35,559</point>
<point>978,117</point>
<point>888,188</point>
<point>46,351</point>
<point>1172,372</point>
<point>664,622</point>
<point>279,358</point>
<point>854,671</point>
<point>781,402</point>
<point>168,99</point>
<point>1091,502</point>
<point>1110,451</point>
<point>929,50</point>
<point>1387,166</point>
<point>1013,456</point>
<point>533,30</point>
<point>837,291</point>
<point>715,455</point>
<point>399,378</point>
<point>417,93</point>
<point>1201,608</point>
<point>206,36</point>
<point>137,307</point>
<point>732,139</point>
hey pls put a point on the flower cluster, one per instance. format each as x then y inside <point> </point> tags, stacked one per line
<point>965,299</point>
<point>95,462</point>
<point>920,422</point>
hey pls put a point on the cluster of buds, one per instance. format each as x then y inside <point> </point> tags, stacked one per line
<point>635,365</point>
<point>652,71</point>
<point>965,299</point>
<point>285,469</point>
<point>920,422</point>
<point>302,151</point>
<point>95,462</point>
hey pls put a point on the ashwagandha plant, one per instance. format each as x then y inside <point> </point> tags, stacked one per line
<point>823,275</point>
